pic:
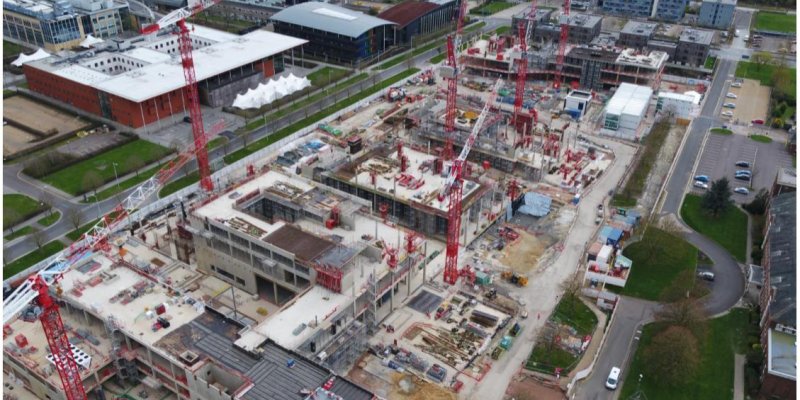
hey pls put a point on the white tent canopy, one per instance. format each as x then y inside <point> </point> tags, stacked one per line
<point>271,91</point>
<point>90,41</point>
<point>22,59</point>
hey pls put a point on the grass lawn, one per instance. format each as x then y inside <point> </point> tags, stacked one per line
<point>437,59</point>
<point>476,26</point>
<point>8,93</point>
<point>721,131</point>
<point>655,270</point>
<point>216,142</point>
<point>31,258</point>
<point>761,138</point>
<point>778,22</point>
<point>714,379</point>
<point>729,230</point>
<point>491,8</point>
<point>764,73</point>
<point>11,49</point>
<point>76,234</point>
<point>282,133</point>
<point>179,184</point>
<point>50,219</point>
<point>710,62</point>
<point>404,57</point>
<point>635,184</point>
<point>502,30</point>
<point>23,207</point>
<point>572,311</point>
<point>19,232</point>
<point>124,185</point>
<point>320,77</point>
<point>259,121</point>
<point>70,179</point>
<point>546,361</point>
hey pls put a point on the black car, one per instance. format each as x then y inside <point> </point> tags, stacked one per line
<point>187,119</point>
<point>743,164</point>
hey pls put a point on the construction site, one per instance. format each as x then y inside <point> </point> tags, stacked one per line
<point>382,255</point>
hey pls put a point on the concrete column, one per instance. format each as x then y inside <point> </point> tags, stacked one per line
<point>275,291</point>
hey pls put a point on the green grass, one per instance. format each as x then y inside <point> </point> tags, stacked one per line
<point>32,258</point>
<point>437,59</point>
<point>572,311</point>
<point>50,219</point>
<point>70,179</point>
<point>502,30</point>
<point>634,186</point>
<point>778,22</point>
<point>765,74</point>
<point>320,78</point>
<point>729,229</point>
<point>721,131</point>
<point>179,184</point>
<point>76,234</point>
<point>23,207</point>
<point>714,377</point>
<point>282,133</point>
<point>404,57</point>
<point>476,26</point>
<point>123,186</point>
<point>654,271</point>
<point>8,93</point>
<point>216,142</point>
<point>220,22</point>
<point>19,232</point>
<point>761,138</point>
<point>259,121</point>
<point>546,361</point>
<point>491,8</point>
<point>11,49</point>
<point>710,62</point>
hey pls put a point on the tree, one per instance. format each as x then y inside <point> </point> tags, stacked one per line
<point>91,181</point>
<point>685,313</point>
<point>677,289</point>
<point>670,225</point>
<point>718,198</point>
<point>759,204</point>
<point>672,356</point>
<point>74,216</point>
<point>38,238</point>
<point>761,58</point>
<point>135,163</point>
<point>10,217</point>
<point>571,288</point>
<point>46,200</point>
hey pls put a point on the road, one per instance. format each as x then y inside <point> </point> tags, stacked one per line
<point>541,293</point>
<point>12,182</point>
<point>728,286</point>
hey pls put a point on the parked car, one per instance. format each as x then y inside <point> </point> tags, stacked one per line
<point>741,190</point>
<point>706,275</point>
<point>742,177</point>
<point>702,178</point>
<point>736,84</point>
<point>743,164</point>
<point>701,185</point>
<point>729,105</point>
<point>187,119</point>
<point>731,95</point>
<point>757,122</point>
<point>743,172</point>
<point>745,56</point>
<point>727,114</point>
<point>613,378</point>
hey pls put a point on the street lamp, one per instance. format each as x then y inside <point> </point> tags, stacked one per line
<point>116,179</point>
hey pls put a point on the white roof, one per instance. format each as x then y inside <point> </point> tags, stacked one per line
<point>90,41</point>
<point>23,58</point>
<point>629,99</point>
<point>266,93</point>
<point>688,96</point>
<point>148,55</point>
<point>81,74</point>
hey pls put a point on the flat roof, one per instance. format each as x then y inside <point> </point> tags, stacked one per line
<point>782,354</point>
<point>329,18</point>
<point>406,12</point>
<point>652,60</point>
<point>679,96</point>
<point>787,176</point>
<point>729,2</point>
<point>639,28</point>
<point>305,246</point>
<point>629,99</point>
<point>696,36</point>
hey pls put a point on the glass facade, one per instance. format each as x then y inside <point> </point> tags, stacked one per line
<point>611,122</point>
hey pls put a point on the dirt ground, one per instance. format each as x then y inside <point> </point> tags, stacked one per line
<point>659,171</point>
<point>523,254</point>
<point>524,387</point>
<point>15,140</point>
<point>402,386</point>
<point>752,102</point>
<point>39,116</point>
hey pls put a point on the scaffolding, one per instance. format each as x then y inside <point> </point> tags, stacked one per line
<point>125,366</point>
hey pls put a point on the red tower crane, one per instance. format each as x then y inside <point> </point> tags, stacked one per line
<point>32,297</point>
<point>562,44</point>
<point>390,254</point>
<point>453,44</point>
<point>524,32</point>
<point>178,17</point>
<point>452,190</point>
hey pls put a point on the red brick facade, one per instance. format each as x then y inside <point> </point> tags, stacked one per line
<point>72,93</point>
<point>139,114</point>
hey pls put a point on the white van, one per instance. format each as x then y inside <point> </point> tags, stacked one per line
<point>613,378</point>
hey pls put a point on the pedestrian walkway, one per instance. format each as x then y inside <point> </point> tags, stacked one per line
<point>738,376</point>
<point>594,346</point>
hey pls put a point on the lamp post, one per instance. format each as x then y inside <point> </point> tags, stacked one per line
<point>116,178</point>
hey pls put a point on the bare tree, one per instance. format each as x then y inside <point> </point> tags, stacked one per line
<point>135,163</point>
<point>38,238</point>
<point>673,356</point>
<point>46,200</point>
<point>75,216</point>
<point>671,226</point>
<point>91,181</point>
<point>686,313</point>
<point>571,288</point>
<point>10,217</point>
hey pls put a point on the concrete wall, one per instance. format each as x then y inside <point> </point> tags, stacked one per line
<point>716,15</point>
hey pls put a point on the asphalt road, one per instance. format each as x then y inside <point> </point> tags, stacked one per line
<point>32,188</point>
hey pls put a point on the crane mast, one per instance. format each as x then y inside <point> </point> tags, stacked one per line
<point>562,44</point>
<point>524,32</point>
<point>453,188</point>
<point>453,44</point>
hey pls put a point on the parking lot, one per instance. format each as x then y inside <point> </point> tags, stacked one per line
<point>721,152</point>
<point>752,102</point>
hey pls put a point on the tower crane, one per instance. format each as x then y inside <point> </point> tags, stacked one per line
<point>562,44</point>
<point>452,190</point>
<point>453,44</point>
<point>524,32</point>
<point>33,296</point>
<point>178,18</point>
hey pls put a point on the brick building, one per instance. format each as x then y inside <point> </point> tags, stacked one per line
<point>420,17</point>
<point>140,81</point>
